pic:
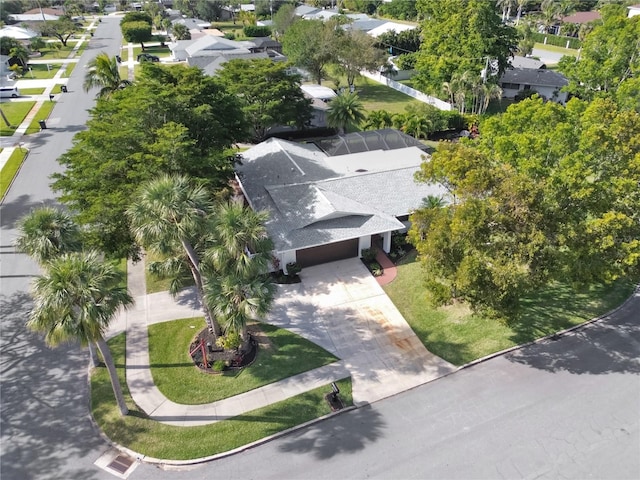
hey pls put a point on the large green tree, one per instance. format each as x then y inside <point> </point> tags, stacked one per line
<point>270,96</point>
<point>609,57</point>
<point>459,36</point>
<point>61,29</point>
<point>103,71</point>
<point>136,32</point>
<point>172,120</point>
<point>356,51</point>
<point>547,192</point>
<point>75,299</point>
<point>311,44</point>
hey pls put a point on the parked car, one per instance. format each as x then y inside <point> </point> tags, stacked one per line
<point>145,57</point>
<point>9,92</point>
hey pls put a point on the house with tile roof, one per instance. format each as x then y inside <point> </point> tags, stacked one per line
<point>330,199</point>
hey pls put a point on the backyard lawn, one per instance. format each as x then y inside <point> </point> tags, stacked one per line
<point>459,336</point>
<point>148,437</point>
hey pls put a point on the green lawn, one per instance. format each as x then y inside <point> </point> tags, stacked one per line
<point>55,54</point>
<point>43,113</point>
<point>156,50</point>
<point>147,437</point>
<point>10,169</point>
<point>375,96</point>
<point>31,91</point>
<point>15,113</point>
<point>39,71</point>
<point>175,375</point>
<point>459,336</point>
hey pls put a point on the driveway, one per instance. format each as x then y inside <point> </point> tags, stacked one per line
<point>341,307</point>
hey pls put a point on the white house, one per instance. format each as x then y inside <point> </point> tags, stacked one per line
<point>328,200</point>
<point>547,83</point>
<point>634,10</point>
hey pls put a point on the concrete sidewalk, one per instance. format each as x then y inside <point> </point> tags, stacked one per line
<point>339,306</point>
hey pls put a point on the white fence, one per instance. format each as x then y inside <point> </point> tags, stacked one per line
<point>436,102</point>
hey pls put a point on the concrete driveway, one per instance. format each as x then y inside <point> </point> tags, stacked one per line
<point>341,307</point>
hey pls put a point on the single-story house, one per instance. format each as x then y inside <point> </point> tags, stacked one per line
<point>37,15</point>
<point>306,10</point>
<point>547,83</point>
<point>18,33</point>
<point>633,10</point>
<point>582,17</point>
<point>330,199</point>
<point>388,27</point>
<point>210,52</point>
<point>194,25</point>
<point>320,97</point>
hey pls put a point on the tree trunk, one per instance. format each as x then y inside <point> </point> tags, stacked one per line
<point>113,375</point>
<point>194,264</point>
<point>94,361</point>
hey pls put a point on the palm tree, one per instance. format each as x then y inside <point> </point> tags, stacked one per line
<point>75,300</point>
<point>239,288</point>
<point>417,126</point>
<point>169,218</point>
<point>520,4</point>
<point>103,72</point>
<point>490,91</point>
<point>433,201</point>
<point>46,233</point>
<point>345,111</point>
<point>378,119</point>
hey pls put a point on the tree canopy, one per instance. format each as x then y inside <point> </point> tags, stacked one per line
<point>172,120</point>
<point>547,192</point>
<point>460,36</point>
<point>269,95</point>
<point>609,58</point>
<point>61,29</point>
<point>310,44</point>
<point>136,32</point>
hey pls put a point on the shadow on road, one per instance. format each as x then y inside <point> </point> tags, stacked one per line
<point>346,433</point>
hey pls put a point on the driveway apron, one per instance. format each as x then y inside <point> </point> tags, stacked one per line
<point>341,307</point>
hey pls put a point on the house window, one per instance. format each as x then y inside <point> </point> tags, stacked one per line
<point>511,86</point>
<point>527,87</point>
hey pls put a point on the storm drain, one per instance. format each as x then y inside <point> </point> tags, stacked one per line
<point>121,464</point>
<point>117,463</point>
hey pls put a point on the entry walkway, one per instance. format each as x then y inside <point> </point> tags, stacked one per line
<point>338,306</point>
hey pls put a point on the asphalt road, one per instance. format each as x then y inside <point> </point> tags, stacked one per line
<point>562,409</point>
<point>45,427</point>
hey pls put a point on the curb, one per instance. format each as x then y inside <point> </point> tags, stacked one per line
<point>552,336</point>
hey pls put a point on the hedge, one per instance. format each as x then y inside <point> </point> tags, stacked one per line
<point>557,41</point>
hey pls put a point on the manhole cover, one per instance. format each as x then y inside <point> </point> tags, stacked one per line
<point>121,464</point>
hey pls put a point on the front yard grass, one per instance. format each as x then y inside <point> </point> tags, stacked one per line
<point>156,50</point>
<point>375,96</point>
<point>179,380</point>
<point>459,336</point>
<point>43,113</point>
<point>15,113</point>
<point>10,169</point>
<point>148,437</point>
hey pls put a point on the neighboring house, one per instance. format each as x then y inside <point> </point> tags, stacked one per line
<point>18,33</point>
<point>388,27</point>
<point>36,15</point>
<point>194,25</point>
<point>210,52</point>
<point>547,83</point>
<point>634,10</point>
<point>582,17</point>
<point>306,10</point>
<point>320,97</point>
<point>329,200</point>
<point>525,62</point>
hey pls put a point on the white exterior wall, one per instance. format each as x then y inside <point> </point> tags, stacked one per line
<point>546,92</point>
<point>363,243</point>
<point>287,257</point>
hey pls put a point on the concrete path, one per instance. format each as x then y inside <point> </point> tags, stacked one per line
<point>339,306</point>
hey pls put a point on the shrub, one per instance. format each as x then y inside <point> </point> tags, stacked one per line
<point>219,366</point>
<point>256,31</point>
<point>368,255</point>
<point>230,36</point>
<point>293,269</point>
<point>230,341</point>
<point>376,269</point>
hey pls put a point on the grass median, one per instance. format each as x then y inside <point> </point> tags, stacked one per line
<point>10,169</point>
<point>460,336</point>
<point>148,437</point>
<point>283,355</point>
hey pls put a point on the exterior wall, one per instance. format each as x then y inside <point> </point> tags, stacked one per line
<point>363,243</point>
<point>286,257</point>
<point>550,93</point>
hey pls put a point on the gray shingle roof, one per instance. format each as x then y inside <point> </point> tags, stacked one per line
<point>527,76</point>
<point>310,203</point>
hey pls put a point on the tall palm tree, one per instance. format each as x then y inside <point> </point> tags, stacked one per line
<point>103,72</point>
<point>239,288</point>
<point>520,4</point>
<point>75,300</point>
<point>169,217</point>
<point>47,232</point>
<point>417,126</point>
<point>345,111</point>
